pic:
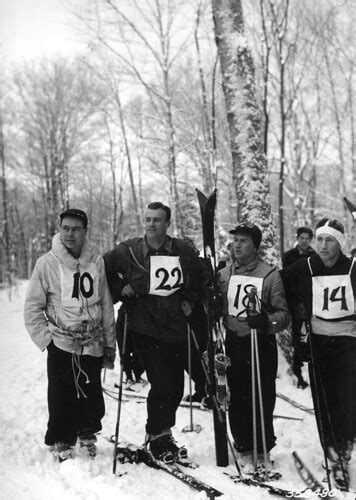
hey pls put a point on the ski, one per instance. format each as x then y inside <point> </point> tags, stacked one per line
<point>207,210</point>
<point>294,403</point>
<point>134,454</point>
<point>272,489</point>
<point>308,477</point>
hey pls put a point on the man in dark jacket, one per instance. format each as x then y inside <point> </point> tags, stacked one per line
<point>302,250</point>
<point>236,280</point>
<point>160,279</point>
<point>325,286</point>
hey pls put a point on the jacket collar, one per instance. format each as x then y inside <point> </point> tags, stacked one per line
<point>167,245</point>
<point>249,267</point>
<point>88,253</point>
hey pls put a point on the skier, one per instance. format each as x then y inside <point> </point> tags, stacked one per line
<point>235,281</point>
<point>160,277</point>
<point>68,310</point>
<point>325,285</point>
<point>302,250</point>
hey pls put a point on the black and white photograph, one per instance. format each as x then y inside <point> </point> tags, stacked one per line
<point>177,249</point>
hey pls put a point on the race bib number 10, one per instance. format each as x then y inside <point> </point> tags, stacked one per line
<point>166,276</point>
<point>238,293</point>
<point>78,286</point>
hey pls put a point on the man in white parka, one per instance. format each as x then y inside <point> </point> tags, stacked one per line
<point>69,312</point>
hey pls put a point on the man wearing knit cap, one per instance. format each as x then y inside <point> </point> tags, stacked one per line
<point>325,285</point>
<point>246,272</point>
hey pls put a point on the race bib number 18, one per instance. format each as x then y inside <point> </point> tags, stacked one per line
<point>238,293</point>
<point>166,276</point>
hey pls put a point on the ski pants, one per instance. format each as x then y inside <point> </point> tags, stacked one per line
<point>240,383</point>
<point>75,408</point>
<point>164,364</point>
<point>132,362</point>
<point>297,347</point>
<point>335,391</point>
<point>198,325</point>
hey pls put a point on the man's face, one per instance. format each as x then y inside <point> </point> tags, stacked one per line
<point>328,248</point>
<point>72,234</point>
<point>243,248</point>
<point>156,224</point>
<point>304,241</point>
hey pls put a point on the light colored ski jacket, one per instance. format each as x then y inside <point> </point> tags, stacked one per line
<point>68,301</point>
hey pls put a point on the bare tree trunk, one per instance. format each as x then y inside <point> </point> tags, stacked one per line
<point>245,124</point>
<point>129,162</point>
<point>5,225</point>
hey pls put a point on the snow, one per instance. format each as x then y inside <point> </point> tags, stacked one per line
<point>28,470</point>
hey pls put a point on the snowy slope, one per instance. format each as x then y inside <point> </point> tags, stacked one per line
<point>28,470</point>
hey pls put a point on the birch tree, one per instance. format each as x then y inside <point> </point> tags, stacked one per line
<point>245,122</point>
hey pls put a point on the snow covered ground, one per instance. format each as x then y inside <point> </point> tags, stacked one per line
<point>28,470</point>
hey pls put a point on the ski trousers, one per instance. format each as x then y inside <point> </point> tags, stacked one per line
<point>164,364</point>
<point>335,389</point>
<point>131,360</point>
<point>240,383</point>
<point>75,406</point>
<point>198,323</point>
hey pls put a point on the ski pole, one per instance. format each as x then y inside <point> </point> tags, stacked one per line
<point>260,398</point>
<point>253,384</point>
<point>192,427</point>
<point>255,365</point>
<point>120,393</point>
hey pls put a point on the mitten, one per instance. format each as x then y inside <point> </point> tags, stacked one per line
<point>108,358</point>
<point>258,321</point>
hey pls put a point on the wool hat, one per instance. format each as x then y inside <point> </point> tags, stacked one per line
<point>77,213</point>
<point>249,229</point>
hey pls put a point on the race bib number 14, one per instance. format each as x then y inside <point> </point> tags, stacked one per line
<point>166,276</point>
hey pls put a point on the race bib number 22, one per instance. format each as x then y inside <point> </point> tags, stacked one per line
<point>166,276</point>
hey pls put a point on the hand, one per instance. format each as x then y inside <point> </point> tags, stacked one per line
<point>258,321</point>
<point>186,308</point>
<point>108,358</point>
<point>127,291</point>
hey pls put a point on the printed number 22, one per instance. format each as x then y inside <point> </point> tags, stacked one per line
<point>174,272</point>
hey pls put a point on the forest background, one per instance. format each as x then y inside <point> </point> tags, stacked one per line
<point>159,103</point>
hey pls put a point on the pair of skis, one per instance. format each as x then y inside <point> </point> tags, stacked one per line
<point>136,455</point>
<point>217,362</point>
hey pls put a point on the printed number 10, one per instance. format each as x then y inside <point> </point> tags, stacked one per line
<point>79,284</point>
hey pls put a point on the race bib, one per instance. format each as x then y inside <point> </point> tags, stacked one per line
<point>238,293</point>
<point>333,297</point>
<point>166,276</point>
<point>80,286</point>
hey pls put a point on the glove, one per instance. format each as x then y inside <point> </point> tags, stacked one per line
<point>108,358</point>
<point>258,321</point>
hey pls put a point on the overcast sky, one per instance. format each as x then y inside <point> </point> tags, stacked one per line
<point>30,29</point>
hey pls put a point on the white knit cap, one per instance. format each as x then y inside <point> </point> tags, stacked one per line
<point>331,231</point>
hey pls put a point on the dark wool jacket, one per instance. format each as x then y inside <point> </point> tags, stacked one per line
<point>298,280</point>
<point>156,316</point>
<point>295,254</point>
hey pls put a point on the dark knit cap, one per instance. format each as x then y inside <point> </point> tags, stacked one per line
<point>249,229</point>
<point>76,213</point>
